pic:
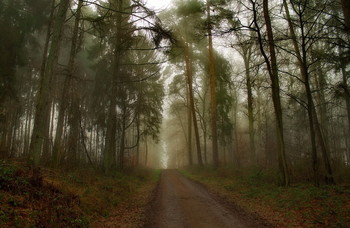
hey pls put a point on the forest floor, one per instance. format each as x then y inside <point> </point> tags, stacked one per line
<point>301,205</point>
<point>144,198</point>
<point>81,198</point>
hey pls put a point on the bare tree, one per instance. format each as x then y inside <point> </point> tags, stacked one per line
<point>272,68</point>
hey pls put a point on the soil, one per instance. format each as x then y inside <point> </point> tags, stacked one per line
<point>181,202</point>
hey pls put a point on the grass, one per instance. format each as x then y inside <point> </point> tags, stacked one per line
<point>55,198</point>
<point>300,205</point>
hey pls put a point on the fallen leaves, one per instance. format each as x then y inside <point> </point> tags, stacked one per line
<point>131,212</point>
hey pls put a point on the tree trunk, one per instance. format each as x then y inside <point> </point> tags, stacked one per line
<point>43,96</point>
<point>75,116</point>
<point>49,110</point>
<point>346,12</point>
<point>110,140</point>
<point>213,102</point>
<point>189,130</point>
<point>323,124</point>
<point>146,151</point>
<point>235,152</point>
<point>347,98</point>
<point>46,144</point>
<point>246,53</point>
<point>273,73</point>
<point>73,135</point>
<point>66,90</point>
<point>138,144</point>
<point>60,124</point>
<point>189,73</point>
<point>122,138</point>
<point>315,128</point>
<point>205,146</point>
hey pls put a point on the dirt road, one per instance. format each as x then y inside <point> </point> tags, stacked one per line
<point>181,202</point>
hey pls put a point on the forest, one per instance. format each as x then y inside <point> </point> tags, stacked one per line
<point>250,92</point>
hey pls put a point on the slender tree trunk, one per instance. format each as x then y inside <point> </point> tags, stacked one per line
<point>46,143</point>
<point>75,115</point>
<point>21,134</point>
<point>235,153</point>
<point>205,146</point>
<point>246,53</point>
<point>97,145</point>
<point>315,128</point>
<point>43,96</point>
<point>347,98</point>
<point>189,73</point>
<point>66,90</point>
<point>13,137</point>
<point>28,129</point>
<point>273,73</point>
<point>84,144</point>
<point>48,109</point>
<point>189,130</point>
<point>110,140</point>
<point>138,144</point>
<point>146,154</point>
<point>213,101</point>
<point>346,12</point>
<point>60,124</point>
<point>323,111</point>
<point>259,117</point>
<point>73,135</point>
<point>122,139</point>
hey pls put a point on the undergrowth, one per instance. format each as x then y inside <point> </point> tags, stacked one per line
<point>55,198</point>
<point>28,201</point>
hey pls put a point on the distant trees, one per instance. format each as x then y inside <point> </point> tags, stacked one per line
<point>182,50</point>
<point>199,63</point>
<point>303,82</point>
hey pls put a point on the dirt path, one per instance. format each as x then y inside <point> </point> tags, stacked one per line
<point>181,202</point>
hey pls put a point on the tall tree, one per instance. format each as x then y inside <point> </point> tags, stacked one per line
<point>245,49</point>
<point>271,64</point>
<point>189,73</point>
<point>303,59</point>
<point>185,32</point>
<point>109,155</point>
<point>66,88</point>
<point>43,96</point>
<point>213,101</point>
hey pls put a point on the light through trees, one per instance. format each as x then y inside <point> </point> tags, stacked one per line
<point>252,84</point>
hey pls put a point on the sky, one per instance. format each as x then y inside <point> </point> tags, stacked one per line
<point>158,4</point>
